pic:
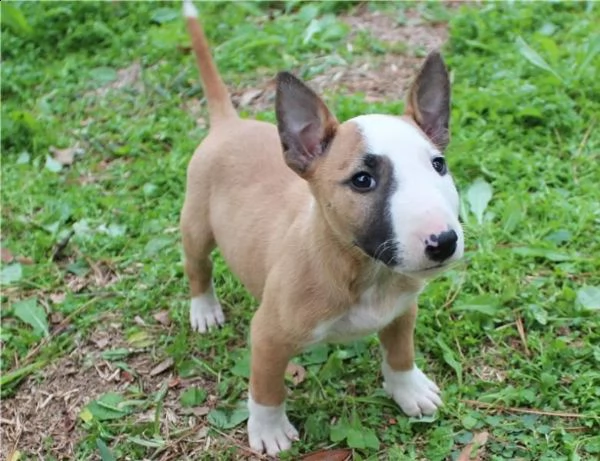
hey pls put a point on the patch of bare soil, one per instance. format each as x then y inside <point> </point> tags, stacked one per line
<point>128,77</point>
<point>379,78</point>
<point>42,419</point>
<point>387,77</point>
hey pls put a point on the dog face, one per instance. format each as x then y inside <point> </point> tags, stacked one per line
<point>380,181</point>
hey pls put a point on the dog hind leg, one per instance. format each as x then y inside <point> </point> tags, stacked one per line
<point>198,242</point>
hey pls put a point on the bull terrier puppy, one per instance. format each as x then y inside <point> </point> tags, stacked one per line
<point>333,226</point>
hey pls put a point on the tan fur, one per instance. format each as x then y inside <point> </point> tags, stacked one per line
<point>279,235</point>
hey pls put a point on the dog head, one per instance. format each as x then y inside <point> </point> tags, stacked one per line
<point>380,181</point>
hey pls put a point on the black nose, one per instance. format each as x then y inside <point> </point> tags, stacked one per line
<point>440,247</point>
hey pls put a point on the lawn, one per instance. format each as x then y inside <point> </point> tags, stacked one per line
<point>101,110</point>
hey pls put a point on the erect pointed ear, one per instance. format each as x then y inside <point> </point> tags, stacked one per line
<point>429,100</point>
<point>306,126</point>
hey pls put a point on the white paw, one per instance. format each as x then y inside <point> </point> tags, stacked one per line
<point>269,429</point>
<point>205,313</point>
<point>414,392</point>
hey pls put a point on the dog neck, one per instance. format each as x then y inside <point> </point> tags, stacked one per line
<point>347,269</point>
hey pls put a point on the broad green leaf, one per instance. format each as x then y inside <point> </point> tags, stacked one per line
<point>486,305</point>
<point>162,15</point>
<point>534,58</point>
<point>428,419</point>
<point>242,366</point>
<point>140,339</point>
<point>32,314</point>
<point>340,431</point>
<point>539,314</point>
<point>154,246</point>
<point>238,416</point>
<point>218,418</point>
<point>105,453</point>
<point>116,354</point>
<point>479,195</point>
<point>103,75</point>
<point>14,19</point>
<point>355,438</point>
<point>192,397</point>
<point>10,273</point>
<point>371,440</point>
<point>53,165</point>
<point>156,442</point>
<point>106,407</point>
<point>450,358</point>
<point>545,253</point>
<point>589,297</point>
<point>332,369</point>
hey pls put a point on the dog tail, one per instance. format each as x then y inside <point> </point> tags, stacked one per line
<point>215,91</point>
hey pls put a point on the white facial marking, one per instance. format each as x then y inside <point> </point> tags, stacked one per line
<point>206,312</point>
<point>269,428</point>
<point>424,202</point>
<point>414,392</point>
<point>371,314</point>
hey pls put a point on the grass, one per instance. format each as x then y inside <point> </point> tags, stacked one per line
<point>512,336</point>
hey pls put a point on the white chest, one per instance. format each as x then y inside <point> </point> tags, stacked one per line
<point>372,313</point>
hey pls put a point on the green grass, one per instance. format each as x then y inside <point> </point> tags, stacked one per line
<point>525,128</point>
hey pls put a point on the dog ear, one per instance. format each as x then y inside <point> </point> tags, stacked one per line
<point>429,100</point>
<point>306,126</point>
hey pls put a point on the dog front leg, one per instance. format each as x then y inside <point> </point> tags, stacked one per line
<point>416,394</point>
<point>268,426</point>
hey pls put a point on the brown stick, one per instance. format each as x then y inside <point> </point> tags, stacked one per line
<point>559,414</point>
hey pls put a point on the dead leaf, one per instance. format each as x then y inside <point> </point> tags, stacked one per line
<point>297,372</point>
<point>201,411</point>
<point>162,317</point>
<point>57,298</point>
<point>24,260</point>
<point>162,367</point>
<point>329,455</point>
<point>473,451</point>
<point>66,156</point>
<point>57,317</point>
<point>102,342</point>
<point>249,96</point>
<point>7,256</point>
<point>140,321</point>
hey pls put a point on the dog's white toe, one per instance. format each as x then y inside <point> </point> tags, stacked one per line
<point>269,429</point>
<point>205,313</point>
<point>414,392</point>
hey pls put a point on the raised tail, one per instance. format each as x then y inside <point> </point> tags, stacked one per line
<point>215,91</point>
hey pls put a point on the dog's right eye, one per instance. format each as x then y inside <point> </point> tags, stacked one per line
<point>363,182</point>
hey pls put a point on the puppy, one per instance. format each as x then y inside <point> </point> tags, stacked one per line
<point>334,227</point>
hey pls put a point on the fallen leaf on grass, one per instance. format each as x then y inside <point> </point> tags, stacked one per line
<point>162,367</point>
<point>11,273</point>
<point>140,321</point>
<point>473,451</point>
<point>201,411</point>
<point>66,156</point>
<point>249,96</point>
<point>57,298</point>
<point>7,256</point>
<point>329,455</point>
<point>296,372</point>
<point>33,314</point>
<point>56,317</point>
<point>162,317</point>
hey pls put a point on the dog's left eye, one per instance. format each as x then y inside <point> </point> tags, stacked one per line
<point>363,182</point>
<point>439,165</point>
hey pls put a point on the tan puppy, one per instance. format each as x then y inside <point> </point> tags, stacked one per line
<point>332,226</point>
